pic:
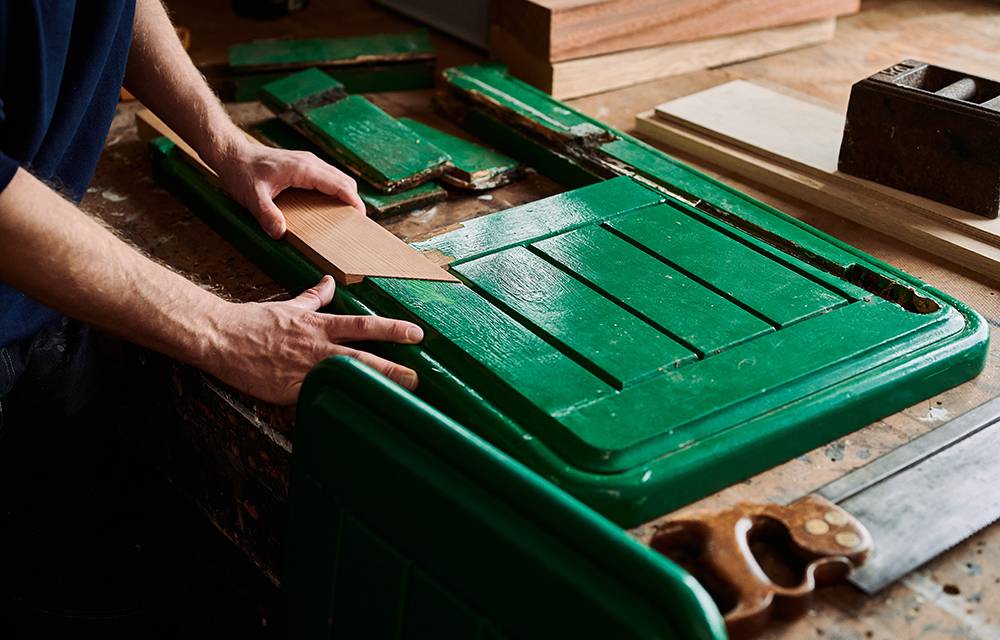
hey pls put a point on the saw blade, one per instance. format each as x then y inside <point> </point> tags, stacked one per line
<point>926,496</point>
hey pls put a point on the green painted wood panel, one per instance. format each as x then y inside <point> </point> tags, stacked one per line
<point>362,78</point>
<point>300,89</point>
<point>382,47</point>
<point>682,307</point>
<point>542,218</point>
<point>378,204</point>
<point>740,272</point>
<point>524,362</point>
<point>474,166</point>
<point>608,340</point>
<point>374,144</point>
<point>684,406</point>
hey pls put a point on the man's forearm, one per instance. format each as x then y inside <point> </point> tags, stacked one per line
<point>65,259</point>
<point>163,77</point>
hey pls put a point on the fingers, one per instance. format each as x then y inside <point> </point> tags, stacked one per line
<point>403,376</point>
<point>268,214</point>
<point>327,179</point>
<point>362,328</point>
<point>317,297</point>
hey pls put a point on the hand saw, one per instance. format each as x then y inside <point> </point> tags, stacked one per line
<point>872,525</point>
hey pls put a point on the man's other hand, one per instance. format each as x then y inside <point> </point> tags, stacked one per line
<point>254,174</point>
<point>266,349</point>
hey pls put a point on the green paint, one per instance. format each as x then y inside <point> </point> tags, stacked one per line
<point>270,54</point>
<point>667,298</point>
<point>474,166</point>
<point>613,343</point>
<point>730,267</point>
<point>299,89</point>
<point>364,78</point>
<point>542,218</point>
<point>372,143</point>
<point>378,204</point>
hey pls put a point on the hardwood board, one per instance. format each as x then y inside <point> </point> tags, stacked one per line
<point>541,219</point>
<point>557,30</point>
<point>803,137</point>
<point>473,166</point>
<point>585,76</point>
<point>620,347</point>
<point>664,296</point>
<point>278,134</point>
<point>730,267</point>
<point>302,53</point>
<point>345,243</point>
<point>296,89</point>
<point>871,211</point>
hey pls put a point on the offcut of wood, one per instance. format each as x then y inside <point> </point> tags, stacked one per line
<point>559,30</point>
<point>338,239</point>
<point>791,146</point>
<point>584,76</point>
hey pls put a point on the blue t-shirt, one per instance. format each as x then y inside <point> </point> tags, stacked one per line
<point>61,67</point>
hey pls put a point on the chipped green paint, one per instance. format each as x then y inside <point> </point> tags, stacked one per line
<point>542,219</point>
<point>473,166</point>
<point>373,144</point>
<point>378,204</point>
<point>365,78</point>
<point>383,47</point>
<point>299,90</point>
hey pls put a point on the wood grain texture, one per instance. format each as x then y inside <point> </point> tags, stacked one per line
<point>558,30</point>
<point>347,244</point>
<point>585,76</point>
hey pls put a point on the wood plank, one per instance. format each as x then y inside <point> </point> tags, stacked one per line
<point>803,137</point>
<point>558,30</point>
<point>664,296</point>
<point>472,166</point>
<point>338,239</point>
<point>874,212</point>
<point>297,90</point>
<point>378,205</point>
<point>299,54</point>
<point>608,340</point>
<point>585,76</point>
<point>541,219</point>
<point>732,268</point>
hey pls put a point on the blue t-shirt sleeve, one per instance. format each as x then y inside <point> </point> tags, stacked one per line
<point>8,167</point>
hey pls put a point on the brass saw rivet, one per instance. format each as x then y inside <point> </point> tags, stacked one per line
<point>847,539</point>
<point>836,518</point>
<point>817,527</point>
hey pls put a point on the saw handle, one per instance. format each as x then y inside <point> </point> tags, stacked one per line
<point>757,559</point>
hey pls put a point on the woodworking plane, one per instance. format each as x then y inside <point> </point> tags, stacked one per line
<point>872,526</point>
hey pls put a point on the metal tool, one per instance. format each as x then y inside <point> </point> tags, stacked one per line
<point>914,503</point>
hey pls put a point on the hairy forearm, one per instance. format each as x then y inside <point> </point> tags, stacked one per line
<point>60,256</point>
<point>163,77</point>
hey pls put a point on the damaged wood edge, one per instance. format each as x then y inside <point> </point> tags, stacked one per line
<point>590,156</point>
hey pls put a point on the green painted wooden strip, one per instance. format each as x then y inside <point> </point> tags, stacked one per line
<point>382,47</point>
<point>277,133</point>
<point>474,166</point>
<point>687,405</point>
<point>364,78</point>
<point>374,144</point>
<point>695,315</point>
<point>509,352</point>
<point>493,87</point>
<point>542,218</point>
<point>758,282</point>
<point>301,89</point>
<point>607,339</point>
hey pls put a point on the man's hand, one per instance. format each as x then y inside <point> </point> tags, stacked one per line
<point>266,349</point>
<point>254,174</point>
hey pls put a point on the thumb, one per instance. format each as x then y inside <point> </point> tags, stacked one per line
<point>317,297</point>
<point>269,215</point>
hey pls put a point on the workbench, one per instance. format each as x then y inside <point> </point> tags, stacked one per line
<point>230,454</point>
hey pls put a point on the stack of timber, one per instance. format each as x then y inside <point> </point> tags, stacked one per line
<point>572,48</point>
<point>791,146</point>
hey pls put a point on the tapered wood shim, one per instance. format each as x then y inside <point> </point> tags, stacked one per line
<point>585,76</point>
<point>473,166</point>
<point>299,54</point>
<point>558,30</point>
<point>347,244</point>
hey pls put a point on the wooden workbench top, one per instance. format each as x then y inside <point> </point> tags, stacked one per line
<point>956,595</point>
